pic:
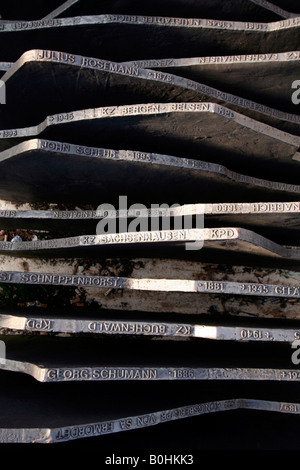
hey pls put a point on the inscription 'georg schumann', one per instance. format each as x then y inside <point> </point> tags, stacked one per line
<point>99,373</point>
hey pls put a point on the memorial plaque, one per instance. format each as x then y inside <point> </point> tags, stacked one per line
<point>51,79</point>
<point>191,133</point>
<point>230,74</point>
<point>56,324</point>
<point>56,359</point>
<point>155,242</point>
<point>58,416</point>
<point>172,304</point>
<point>103,373</point>
<point>276,220</point>
<point>154,285</point>
<point>67,433</point>
<point>123,37</point>
<point>251,76</point>
<point>161,177</point>
<point>247,10</point>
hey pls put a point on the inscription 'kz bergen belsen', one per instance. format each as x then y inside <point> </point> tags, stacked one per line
<point>129,69</point>
<point>141,74</point>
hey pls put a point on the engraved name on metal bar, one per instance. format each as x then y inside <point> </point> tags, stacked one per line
<point>246,240</point>
<point>250,208</point>
<point>134,157</point>
<point>149,328</point>
<point>96,429</point>
<point>157,285</point>
<point>106,373</point>
<point>152,20</point>
<point>75,60</point>
<point>280,57</point>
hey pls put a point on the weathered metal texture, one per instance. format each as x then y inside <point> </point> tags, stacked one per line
<point>154,285</point>
<point>145,37</point>
<point>228,239</point>
<point>57,359</point>
<point>117,373</point>
<point>264,78</point>
<point>126,301</point>
<point>47,75</point>
<point>248,10</point>
<point>80,174</point>
<point>191,131</point>
<point>52,323</point>
<point>106,426</point>
<point>280,220</point>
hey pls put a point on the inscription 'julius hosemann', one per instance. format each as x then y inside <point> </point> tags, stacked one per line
<point>131,70</point>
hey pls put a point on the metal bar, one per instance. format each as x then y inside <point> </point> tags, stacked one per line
<point>95,429</point>
<point>139,83</point>
<point>247,333</point>
<point>223,238</point>
<point>119,373</point>
<point>61,9</point>
<point>157,285</point>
